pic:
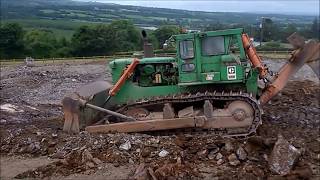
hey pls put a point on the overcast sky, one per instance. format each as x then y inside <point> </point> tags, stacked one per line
<point>307,7</point>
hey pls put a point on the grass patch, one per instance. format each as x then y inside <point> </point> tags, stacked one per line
<point>62,28</point>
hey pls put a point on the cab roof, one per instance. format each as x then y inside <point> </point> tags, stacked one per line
<point>210,33</point>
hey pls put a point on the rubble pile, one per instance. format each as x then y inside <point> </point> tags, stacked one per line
<point>161,157</point>
<point>286,146</point>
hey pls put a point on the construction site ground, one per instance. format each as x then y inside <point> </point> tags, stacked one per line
<point>33,144</point>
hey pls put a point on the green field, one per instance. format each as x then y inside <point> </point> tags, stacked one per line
<point>61,28</point>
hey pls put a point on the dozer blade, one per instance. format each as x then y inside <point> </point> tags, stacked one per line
<point>76,116</point>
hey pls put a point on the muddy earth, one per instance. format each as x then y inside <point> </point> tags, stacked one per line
<point>33,145</point>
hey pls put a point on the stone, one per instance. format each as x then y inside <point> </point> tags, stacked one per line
<point>86,156</point>
<point>60,154</point>
<point>52,143</point>
<point>90,165</point>
<point>131,161</point>
<point>33,147</point>
<point>233,160</point>
<point>186,112</point>
<point>39,133</point>
<point>155,140</point>
<point>241,154</point>
<point>125,146</point>
<point>212,154</point>
<point>202,154</point>
<point>283,157</point>
<point>145,152</point>
<point>96,161</point>
<point>163,153</point>
<point>220,161</point>
<point>219,156</point>
<point>229,146</point>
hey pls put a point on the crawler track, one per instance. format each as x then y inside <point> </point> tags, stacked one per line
<point>221,96</point>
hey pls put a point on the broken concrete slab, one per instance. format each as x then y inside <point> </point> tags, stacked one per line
<point>283,157</point>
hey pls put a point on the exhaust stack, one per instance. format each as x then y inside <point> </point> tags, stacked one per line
<point>147,47</point>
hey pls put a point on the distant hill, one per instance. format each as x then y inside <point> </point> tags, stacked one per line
<point>65,15</point>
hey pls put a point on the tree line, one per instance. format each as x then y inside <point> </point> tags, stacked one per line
<point>118,36</point>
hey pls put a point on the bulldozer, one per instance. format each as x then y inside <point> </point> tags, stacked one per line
<point>216,82</point>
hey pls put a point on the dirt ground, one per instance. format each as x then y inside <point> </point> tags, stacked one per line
<point>34,146</point>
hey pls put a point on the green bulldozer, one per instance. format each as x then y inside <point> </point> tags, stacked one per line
<point>212,84</point>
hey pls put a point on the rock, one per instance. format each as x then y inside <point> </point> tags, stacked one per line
<point>219,156</point>
<point>96,161</point>
<point>283,156</point>
<point>39,133</point>
<point>213,148</point>
<point>163,153</point>
<point>145,152</point>
<point>202,154</point>
<point>59,154</point>
<point>52,143</point>
<point>229,146</point>
<point>33,147</point>
<point>154,140</point>
<point>86,156</point>
<point>233,160</point>
<point>90,165</point>
<point>131,161</point>
<point>265,157</point>
<point>125,146</point>
<point>212,154</point>
<point>241,154</point>
<point>220,161</point>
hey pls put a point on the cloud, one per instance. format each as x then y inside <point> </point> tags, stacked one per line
<point>310,7</point>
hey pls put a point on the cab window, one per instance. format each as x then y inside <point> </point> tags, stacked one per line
<point>213,46</point>
<point>186,49</point>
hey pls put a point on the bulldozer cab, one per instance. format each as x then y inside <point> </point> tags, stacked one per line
<point>209,57</point>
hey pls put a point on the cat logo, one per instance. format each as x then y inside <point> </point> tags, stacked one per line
<point>231,70</point>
